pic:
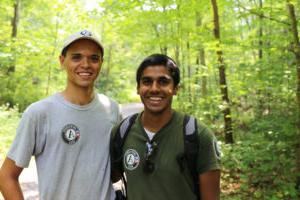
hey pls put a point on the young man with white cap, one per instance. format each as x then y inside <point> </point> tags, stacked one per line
<point>68,133</point>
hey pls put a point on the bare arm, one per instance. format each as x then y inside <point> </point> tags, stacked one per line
<point>9,180</point>
<point>210,185</point>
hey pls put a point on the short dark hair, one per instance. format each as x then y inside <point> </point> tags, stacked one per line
<point>64,51</point>
<point>159,59</point>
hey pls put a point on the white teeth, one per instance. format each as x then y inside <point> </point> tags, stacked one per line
<point>155,98</point>
<point>84,74</point>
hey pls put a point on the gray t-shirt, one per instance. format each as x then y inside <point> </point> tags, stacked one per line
<point>71,147</point>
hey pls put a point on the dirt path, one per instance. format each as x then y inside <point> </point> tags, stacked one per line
<point>29,182</point>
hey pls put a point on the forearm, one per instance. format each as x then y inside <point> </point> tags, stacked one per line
<point>9,180</point>
<point>11,189</point>
<point>210,185</point>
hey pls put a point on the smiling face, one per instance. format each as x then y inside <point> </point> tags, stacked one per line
<point>156,89</point>
<point>82,63</point>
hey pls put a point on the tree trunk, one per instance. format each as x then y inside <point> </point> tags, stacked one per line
<point>49,77</point>
<point>204,78</point>
<point>260,92</point>
<point>161,33</point>
<point>177,55</point>
<point>260,32</point>
<point>109,60</point>
<point>15,19</point>
<point>222,77</point>
<point>189,73</point>
<point>14,24</point>
<point>296,51</point>
<point>201,60</point>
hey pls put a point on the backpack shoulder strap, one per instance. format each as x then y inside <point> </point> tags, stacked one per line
<point>119,140</point>
<point>191,148</point>
<point>116,152</point>
<point>125,126</point>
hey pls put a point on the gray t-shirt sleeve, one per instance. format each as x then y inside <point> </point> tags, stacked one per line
<point>22,147</point>
<point>209,153</point>
<point>31,135</point>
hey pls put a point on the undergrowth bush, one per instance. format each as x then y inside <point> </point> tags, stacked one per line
<point>261,165</point>
<point>9,118</point>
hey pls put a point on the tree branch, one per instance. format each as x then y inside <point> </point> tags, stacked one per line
<point>261,15</point>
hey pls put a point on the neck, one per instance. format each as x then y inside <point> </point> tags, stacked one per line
<point>78,96</point>
<point>155,121</point>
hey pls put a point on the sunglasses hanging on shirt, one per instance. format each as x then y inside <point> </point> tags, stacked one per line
<point>149,165</point>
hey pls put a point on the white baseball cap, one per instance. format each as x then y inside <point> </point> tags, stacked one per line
<point>84,34</point>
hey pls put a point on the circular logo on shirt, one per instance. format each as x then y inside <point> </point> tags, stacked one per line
<point>131,159</point>
<point>217,148</point>
<point>70,133</point>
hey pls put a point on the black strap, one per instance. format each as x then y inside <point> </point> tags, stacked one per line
<point>119,139</point>
<point>116,151</point>
<point>191,148</point>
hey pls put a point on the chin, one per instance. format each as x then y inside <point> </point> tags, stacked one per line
<point>86,84</point>
<point>156,111</point>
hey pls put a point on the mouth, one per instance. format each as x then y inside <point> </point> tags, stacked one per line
<point>84,74</point>
<point>155,100</point>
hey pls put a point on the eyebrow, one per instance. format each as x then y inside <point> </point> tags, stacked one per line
<point>163,76</point>
<point>81,54</point>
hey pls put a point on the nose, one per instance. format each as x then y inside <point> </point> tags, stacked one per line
<point>85,62</point>
<point>154,86</point>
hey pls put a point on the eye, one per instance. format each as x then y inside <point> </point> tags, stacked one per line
<point>147,81</point>
<point>76,57</point>
<point>164,81</point>
<point>95,58</point>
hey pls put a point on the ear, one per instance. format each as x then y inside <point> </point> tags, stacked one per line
<point>176,88</point>
<point>61,61</point>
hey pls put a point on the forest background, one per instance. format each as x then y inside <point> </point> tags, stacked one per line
<point>239,60</point>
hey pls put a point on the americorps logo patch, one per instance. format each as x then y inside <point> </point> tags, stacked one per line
<point>86,33</point>
<point>131,159</point>
<point>70,133</point>
<point>217,148</point>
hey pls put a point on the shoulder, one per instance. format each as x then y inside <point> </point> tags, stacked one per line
<point>208,138</point>
<point>110,106</point>
<point>106,101</point>
<point>204,132</point>
<point>178,118</point>
<point>40,107</point>
<point>127,123</point>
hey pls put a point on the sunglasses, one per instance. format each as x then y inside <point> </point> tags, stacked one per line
<point>149,165</point>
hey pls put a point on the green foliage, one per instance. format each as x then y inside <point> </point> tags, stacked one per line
<point>261,87</point>
<point>9,119</point>
<point>261,164</point>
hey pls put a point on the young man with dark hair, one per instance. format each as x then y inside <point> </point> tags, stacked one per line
<point>155,142</point>
<point>68,133</point>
